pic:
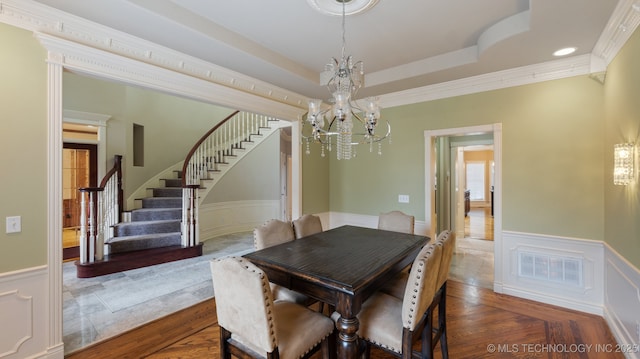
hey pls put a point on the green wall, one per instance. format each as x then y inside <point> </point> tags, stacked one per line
<point>315,180</point>
<point>23,159</point>
<point>552,157</point>
<point>255,178</point>
<point>622,203</point>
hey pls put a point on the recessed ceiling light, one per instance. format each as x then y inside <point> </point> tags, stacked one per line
<point>564,52</point>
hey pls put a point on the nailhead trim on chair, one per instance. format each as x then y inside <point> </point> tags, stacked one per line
<point>266,289</point>
<point>415,290</point>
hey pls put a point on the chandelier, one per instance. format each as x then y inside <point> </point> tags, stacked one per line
<point>346,123</point>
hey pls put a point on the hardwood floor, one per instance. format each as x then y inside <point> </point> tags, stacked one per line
<point>481,324</point>
<point>478,224</point>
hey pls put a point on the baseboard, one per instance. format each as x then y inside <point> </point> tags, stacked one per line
<point>622,300</point>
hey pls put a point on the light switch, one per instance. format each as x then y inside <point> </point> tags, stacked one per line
<point>14,224</point>
<point>403,198</point>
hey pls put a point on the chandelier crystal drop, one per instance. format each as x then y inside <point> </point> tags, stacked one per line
<point>343,78</point>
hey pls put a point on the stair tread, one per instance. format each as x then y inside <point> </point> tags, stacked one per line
<point>158,209</point>
<point>147,222</point>
<point>141,237</point>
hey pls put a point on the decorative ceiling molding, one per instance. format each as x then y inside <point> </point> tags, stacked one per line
<point>573,66</point>
<point>101,51</point>
<point>104,52</point>
<point>623,22</point>
<point>621,26</point>
<point>334,7</point>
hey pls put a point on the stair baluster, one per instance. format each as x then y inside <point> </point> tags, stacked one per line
<point>207,155</point>
<point>104,205</point>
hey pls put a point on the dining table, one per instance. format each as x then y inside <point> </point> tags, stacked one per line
<point>341,267</point>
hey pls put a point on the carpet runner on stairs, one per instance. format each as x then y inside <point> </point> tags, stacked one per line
<point>157,224</point>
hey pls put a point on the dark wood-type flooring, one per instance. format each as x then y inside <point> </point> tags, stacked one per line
<point>478,320</point>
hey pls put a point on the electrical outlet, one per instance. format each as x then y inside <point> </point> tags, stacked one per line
<point>403,198</point>
<point>13,225</point>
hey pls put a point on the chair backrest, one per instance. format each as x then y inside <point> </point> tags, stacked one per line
<point>307,225</point>
<point>421,286</point>
<point>271,233</point>
<point>244,302</point>
<point>396,221</point>
<point>446,239</point>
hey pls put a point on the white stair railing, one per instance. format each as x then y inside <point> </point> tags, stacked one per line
<point>101,209</point>
<point>208,154</point>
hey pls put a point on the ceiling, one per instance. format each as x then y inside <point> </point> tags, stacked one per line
<point>404,44</point>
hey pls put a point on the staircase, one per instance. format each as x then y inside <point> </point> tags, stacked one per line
<point>156,224</point>
<point>164,227</point>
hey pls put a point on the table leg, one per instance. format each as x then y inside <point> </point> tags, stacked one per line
<point>347,346</point>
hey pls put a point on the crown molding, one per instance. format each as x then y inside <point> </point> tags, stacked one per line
<point>573,66</point>
<point>93,48</point>
<point>623,22</point>
<point>101,51</point>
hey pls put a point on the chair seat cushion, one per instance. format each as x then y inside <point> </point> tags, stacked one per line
<point>284,294</point>
<point>381,321</point>
<point>298,329</point>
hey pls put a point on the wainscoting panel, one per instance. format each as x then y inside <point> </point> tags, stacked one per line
<point>230,217</point>
<point>337,219</point>
<point>23,313</point>
<point>622,300</point>
<point>567,272</point>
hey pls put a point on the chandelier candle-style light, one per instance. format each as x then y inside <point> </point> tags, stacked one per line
<point>333,126</point>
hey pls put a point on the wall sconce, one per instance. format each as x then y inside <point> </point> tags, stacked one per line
<point>623,159</point>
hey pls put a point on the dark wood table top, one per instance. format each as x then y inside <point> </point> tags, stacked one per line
<point>344,258</point>
<point>341,267</point>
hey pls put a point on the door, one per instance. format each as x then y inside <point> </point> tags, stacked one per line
<point>79,169</point>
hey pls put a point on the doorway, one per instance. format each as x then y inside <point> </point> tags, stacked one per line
<point>478,188</point>
<point>79,169</point>
<point>445,186</point>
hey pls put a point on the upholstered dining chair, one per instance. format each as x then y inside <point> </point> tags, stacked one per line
<point>394,324</point>
<point>396,221</point>
<point>396,288</point>
<point>397,284</point>
<point>253,325</point>
<point>307,225</point>
<point>271,233</point>
<point>447,242</point>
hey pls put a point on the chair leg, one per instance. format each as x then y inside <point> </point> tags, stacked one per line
<point>366,352</point>
<point>225,335</point>
<point>442,322</point>
<point>328,348</point>
<point>427,336</point>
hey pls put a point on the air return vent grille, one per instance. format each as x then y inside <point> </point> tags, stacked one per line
<point>557,269</point>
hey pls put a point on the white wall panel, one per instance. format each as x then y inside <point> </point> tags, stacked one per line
<point>622,301</point>
<point>23,315</point>
<point>230,217</point>
<point>586,296</point>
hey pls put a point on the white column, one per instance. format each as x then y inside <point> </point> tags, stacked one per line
<point>54,203</point>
